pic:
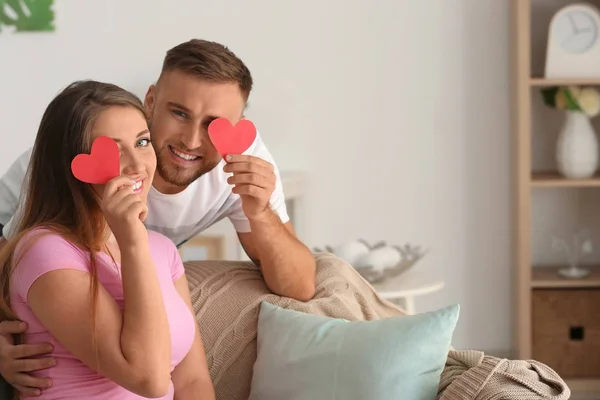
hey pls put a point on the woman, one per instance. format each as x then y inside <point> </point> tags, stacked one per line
<point>86,275</point>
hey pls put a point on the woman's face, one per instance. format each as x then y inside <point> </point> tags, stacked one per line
<point>128,127</point>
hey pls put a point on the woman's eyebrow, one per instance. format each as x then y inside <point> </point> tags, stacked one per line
<point>142,133</point>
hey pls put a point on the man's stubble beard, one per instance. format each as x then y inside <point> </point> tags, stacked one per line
<point>177,175</point>
<point>172,174</point>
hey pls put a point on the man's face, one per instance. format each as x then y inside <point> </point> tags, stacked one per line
<point>179,110</point>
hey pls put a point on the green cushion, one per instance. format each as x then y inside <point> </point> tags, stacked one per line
<point>312,357</point>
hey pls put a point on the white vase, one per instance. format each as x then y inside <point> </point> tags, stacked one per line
<point>577,147</point>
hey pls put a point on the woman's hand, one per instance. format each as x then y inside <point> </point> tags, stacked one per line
<point>124,212</point>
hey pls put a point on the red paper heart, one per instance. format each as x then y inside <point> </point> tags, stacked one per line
<point>101,165</point>
<point>230,139</point>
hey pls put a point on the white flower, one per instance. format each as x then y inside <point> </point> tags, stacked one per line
<point>589,101</point>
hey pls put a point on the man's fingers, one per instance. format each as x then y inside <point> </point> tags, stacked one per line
<point>25,383</point>
<point>30,350</point>
<point>260,167</point>
<point>33,364</point>
<point>250,190</point>
<point>12,327</point>
<point>250,179</point>
<point>27,391</point>
<point>235,158</point>
<point>29,381</point>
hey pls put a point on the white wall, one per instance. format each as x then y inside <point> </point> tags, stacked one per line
<point>397,108</point>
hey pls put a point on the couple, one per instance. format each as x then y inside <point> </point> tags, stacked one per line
<point>94,270</point>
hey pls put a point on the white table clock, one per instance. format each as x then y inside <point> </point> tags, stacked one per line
<point>574,43</point>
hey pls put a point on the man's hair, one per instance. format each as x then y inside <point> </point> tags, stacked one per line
<point>209,61</point>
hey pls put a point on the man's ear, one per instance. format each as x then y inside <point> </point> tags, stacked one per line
<point>149,101</point>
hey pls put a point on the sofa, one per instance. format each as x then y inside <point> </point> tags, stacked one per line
<point>227,298</point>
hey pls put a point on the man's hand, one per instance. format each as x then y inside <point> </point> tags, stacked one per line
<point>254,181</point>
<point>15,362</point>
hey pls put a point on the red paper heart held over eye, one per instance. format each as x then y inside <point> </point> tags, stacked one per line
<point>101,165</point>
<point>231,139</point>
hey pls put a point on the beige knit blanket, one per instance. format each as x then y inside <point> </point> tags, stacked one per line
<point>227,296</point>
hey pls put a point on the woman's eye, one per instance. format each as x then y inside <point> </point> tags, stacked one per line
<point>142,142</point>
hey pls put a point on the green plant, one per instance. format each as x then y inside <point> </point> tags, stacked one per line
<point>27,15</point>
<point>573,98</point>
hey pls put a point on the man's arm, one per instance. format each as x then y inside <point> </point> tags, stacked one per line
<point>287,264</point>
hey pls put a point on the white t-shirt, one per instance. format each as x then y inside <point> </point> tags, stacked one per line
<point>179,216</point>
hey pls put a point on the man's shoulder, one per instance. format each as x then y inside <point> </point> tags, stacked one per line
<point>23,158</point>
<point>19,166</point>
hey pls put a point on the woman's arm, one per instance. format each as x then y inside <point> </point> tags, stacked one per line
<point>134,347</point>
<point>191,377</point>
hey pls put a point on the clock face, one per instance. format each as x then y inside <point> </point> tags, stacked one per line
<point>575,31</point>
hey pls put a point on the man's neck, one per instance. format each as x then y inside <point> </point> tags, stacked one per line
<point>165,187</point>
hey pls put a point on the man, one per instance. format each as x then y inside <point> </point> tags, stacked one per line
<point>193,188</point>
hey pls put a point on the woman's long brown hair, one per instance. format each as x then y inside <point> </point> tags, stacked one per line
<point>53,198</point>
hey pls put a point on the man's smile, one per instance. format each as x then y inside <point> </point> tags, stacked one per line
<point>182,154</point>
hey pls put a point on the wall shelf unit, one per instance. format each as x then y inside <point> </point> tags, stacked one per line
<point>552,179</point>
<point>553,321</point>
<point>543,82</point>
<point>548,278</point>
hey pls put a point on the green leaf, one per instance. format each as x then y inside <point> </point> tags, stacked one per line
<point>4,20</point>
<point>27,15</point>
<point>549,96</point>
<point>572,104</point>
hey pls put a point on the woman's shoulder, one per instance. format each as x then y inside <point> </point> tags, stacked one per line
<point>165,250</point>
<point>40,251</point>
<point>158,239</point>
<point>47,241</point>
